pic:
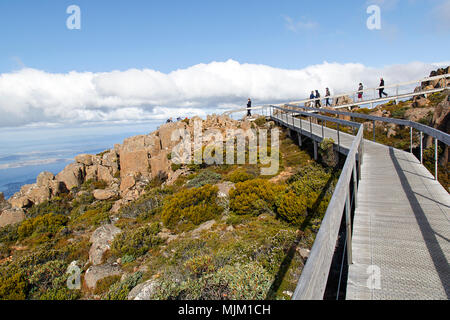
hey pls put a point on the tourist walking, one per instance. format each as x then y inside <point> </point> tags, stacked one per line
<point>327,95</point>
<point>249,107</point>
<point>318,99</point>
<point>381,89</point>
<point>360,91</point>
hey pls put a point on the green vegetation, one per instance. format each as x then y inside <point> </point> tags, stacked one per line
<point>136,243</point>
<point>194,205</point>
<point>204,178</point>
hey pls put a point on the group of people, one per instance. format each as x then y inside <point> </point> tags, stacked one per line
<point>178,119</point>
<point>316,96</point>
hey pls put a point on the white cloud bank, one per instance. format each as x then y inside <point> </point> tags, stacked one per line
<point>31,96</point>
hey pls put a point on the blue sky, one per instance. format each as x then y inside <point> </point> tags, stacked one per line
<point>169,35</point>
<point>148,60</point>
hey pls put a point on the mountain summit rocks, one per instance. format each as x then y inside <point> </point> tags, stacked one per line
<point>126,169</point>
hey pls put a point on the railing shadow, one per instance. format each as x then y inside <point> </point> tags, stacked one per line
<point>285,264</point>
<point>437,255</point>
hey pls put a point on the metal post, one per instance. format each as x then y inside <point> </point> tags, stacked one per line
<point>421,147</point>
<point>339,139</point>
<point>374,131</point>
<point>323,136</point>
<point>348,220</point>
<point>435,158</point>
<point>410,139</point>
<point>310,126</point>
<point>315,150</point>
<point>355,184</point>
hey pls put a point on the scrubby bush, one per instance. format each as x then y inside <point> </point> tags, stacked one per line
<point>292,208</point>
<point>120,290</point>
<point>57,205</point>
<point>95,215</point>
<point>253,197</point>
<point>194,205</point>
<point>14,287</point>
<point>143,207</point>
<point>239,175</point>
<point>326,150</point>
<point>237,282</point>
<point>49,224</point>
<point>204,178</point>
<point>260,121</point>
<point>200,265</point>
<point>136,243</point>
<point>104,284</point>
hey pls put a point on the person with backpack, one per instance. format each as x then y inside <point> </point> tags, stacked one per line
<point>381,89</point>
<point>249,107</point>
<point>318,99</point>
<point>327,95</point>
<point>360,91</point>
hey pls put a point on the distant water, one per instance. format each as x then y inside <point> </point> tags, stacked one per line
<point>26,152</point>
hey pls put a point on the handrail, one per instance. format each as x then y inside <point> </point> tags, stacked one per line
<point>435,133</point>
<point>313,280</point>
<point>445,76</point>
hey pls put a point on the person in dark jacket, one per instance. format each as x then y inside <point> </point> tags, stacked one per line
<point>318,99</point>
<point>249,106</point>
<point>381,89</point>
<point>327,94</point>
<point>360,92</point>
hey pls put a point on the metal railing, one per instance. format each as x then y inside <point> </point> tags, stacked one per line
<point>432,132</point>
<point>403,90</point>
<point>313,280</point>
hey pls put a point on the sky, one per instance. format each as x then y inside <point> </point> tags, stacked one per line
<point>147,60</point>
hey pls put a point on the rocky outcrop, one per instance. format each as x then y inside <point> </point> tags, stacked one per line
<point>96,273</point>
<point>143,291</point>
<point>101,240</point>
<point>72,176</point>
<point>11,216</point>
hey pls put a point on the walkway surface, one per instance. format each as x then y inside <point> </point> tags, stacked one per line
<point>401,227</point>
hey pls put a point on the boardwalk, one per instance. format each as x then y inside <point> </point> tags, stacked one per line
<point>401,228</point>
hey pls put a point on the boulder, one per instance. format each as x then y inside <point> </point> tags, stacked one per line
<point>127,183</point>
<point>203,227</point>
<point>11,216</point>
<point>134,162</point>
<point>91,172</point>
<point>104,173</point>
<point>20,202</point>
<point>104,194</point>
<point>96,273</point>
<point>143,291</point>
<point>101,239</point>
<point>3,203</point>
<point>72,176</point>
<point>165,134</point>
<point>85,159</point>
<point>37,195</point>
<point>160,163</point>
<point>44,179</point>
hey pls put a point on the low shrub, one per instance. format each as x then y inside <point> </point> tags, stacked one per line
<point>104,284</point>
<point>120,290</point>
<point>194,205</point>
<point>136,243</point>
<point>49,224</point>
<point>253,197</point>
<point>14,287</point>
<point>239,175</point>
<point>204,178</point>
<point>292,208</point>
